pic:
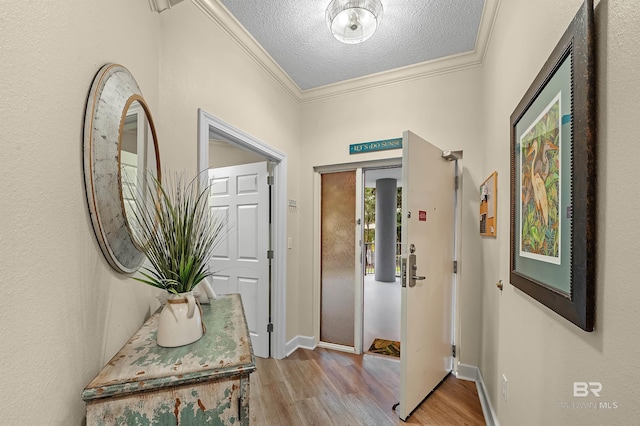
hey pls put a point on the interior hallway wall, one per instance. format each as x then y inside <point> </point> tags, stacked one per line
<point>201,66</point>
<point>65,311</point>
<point>540,352</point>
<point>443,109</point>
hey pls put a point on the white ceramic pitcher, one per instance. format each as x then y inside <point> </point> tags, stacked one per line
<point>180,321</point>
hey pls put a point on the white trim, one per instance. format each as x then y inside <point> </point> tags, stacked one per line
<point>336,347</point>
<point>317,254</point>
<point>359,167</point>
<point>472,373</point>
<point>398,75</point>
<point>300,342</point>
<point>490,417</point>
<point>457,277</point>
<point>162,5</point>
<point>231,134</point>
<point>358,309</point>
<point>218,13</point>
<point>467,372</point>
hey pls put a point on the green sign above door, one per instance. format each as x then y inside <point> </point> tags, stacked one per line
<point>361,148</point>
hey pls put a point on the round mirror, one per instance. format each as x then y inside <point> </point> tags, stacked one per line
<point>138,162</point>
<point>120,154</point>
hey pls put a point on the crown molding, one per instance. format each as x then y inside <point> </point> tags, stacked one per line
<point>421,70</point>
<point>217,12</point>
<point>398,75</point>
<point>162,5</point>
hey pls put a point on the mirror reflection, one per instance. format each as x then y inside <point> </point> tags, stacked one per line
<point>137,163</point>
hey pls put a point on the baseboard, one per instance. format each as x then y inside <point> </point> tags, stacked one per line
<point>467,372</point>
<point>336,347</point>
<point>304,342</point>
<point>472,373</point>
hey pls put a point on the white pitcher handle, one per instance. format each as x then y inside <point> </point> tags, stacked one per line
<point>191,305</point>
<point>208,288</point>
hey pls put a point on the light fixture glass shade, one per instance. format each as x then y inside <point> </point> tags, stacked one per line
<point>353,21</point>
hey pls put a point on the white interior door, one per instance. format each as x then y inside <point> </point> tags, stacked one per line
<point>240,264</point>
<point>428,198</point>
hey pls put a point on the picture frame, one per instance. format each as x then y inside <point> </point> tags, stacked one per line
<point>489,206</point>
<point>553,178</point>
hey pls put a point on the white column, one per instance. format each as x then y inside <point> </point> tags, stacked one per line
<point>385,248</point>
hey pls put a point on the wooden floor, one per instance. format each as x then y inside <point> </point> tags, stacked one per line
<point>324,387</point>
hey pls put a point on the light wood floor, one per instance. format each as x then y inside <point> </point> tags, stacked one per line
<point>324,387</point>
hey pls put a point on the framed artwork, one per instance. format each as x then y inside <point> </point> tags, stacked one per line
<point>489,206</point>
<point>553,179</point>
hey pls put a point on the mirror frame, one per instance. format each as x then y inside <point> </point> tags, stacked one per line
<point>113,90</point>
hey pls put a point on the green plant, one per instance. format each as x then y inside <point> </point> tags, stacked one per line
<point>176,231</point>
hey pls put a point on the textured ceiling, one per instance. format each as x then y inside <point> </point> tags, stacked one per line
<point>296,36</point>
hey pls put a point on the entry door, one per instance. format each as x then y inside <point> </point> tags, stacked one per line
<point>428,198</point>
<point>240,264</point>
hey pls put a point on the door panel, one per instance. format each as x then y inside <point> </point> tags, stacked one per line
<point>240,263</point>
<point>429,197</point>
<point>338,258</point>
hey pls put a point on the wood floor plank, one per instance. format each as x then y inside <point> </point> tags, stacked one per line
<point>324,387</point>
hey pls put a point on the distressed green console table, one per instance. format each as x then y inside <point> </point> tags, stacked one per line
<point>204,383</point>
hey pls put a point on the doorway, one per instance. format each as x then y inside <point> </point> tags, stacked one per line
<point>382,289</point>
<point>212,128</point>
<point>240,193</point>
<point>429,266</point>
<point>347,319</point>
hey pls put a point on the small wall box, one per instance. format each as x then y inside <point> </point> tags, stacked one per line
<point>489,206</point>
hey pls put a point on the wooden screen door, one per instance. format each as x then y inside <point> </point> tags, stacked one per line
<point>428,201</point>
<point>241,262</point>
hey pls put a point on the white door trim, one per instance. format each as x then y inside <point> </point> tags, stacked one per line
<point>457,277</point>
<point>359,167</point>
<point>207,124</point>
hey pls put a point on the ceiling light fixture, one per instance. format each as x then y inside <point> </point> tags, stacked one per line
<point>353,21</point>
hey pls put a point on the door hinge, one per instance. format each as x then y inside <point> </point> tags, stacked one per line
<point>455,266</point>
<point>457,182</point>
<point>270,328</point>
<point>269,180</point>
<point>453,350</point>
<point>269,254</point>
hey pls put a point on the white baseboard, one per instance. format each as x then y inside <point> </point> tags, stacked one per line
<point>304,342</point>
<point>467,372</point>
<point>336,347</point>
<point>472,373</point>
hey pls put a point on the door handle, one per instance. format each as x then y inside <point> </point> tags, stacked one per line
<point>409,269</point>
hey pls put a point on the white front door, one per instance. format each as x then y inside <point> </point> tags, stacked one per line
<point>428,200</point>
<point>240,264</point>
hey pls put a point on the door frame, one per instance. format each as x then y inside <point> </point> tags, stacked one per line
<point>208,124</point>
<point>359,168</point>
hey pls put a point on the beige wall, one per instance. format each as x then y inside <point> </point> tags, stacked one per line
<point>541,353</point>
<point>65,312</point>
<point>223,154</point>
<point>203,67</point>
<point>442,109</point>
<point>69,312</point>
